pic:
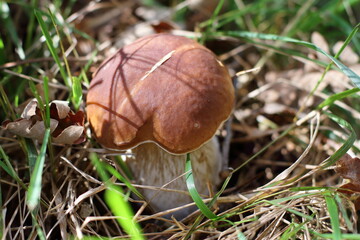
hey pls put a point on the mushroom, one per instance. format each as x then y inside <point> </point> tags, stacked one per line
<point>163,96</point>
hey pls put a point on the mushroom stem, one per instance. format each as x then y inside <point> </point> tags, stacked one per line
<point>152,166</point>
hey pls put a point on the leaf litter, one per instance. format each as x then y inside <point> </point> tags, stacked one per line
<point>66,127</point>
<point>267,105</point>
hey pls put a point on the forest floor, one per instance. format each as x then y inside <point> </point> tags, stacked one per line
<point>290,144</point>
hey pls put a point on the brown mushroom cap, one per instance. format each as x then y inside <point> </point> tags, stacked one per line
<point>162,88</point>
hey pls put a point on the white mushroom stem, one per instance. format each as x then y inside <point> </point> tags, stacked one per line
<point>152,166</point>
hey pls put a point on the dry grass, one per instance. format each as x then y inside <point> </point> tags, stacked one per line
<point>277,141</point>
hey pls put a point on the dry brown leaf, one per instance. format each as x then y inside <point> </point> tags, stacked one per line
<point>337,80</point>
<point>30,109</point>
<point>349,168</point>
<point>163,26</point>
<point>70,135</point>
<point>348,56</point>
<point>294,85</point>
<point>66,127</point>
<point>29,128</point>
<point>321,42</point>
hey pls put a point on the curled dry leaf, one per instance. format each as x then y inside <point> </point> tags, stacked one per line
<point>349,168</point>
<point>66,127</point>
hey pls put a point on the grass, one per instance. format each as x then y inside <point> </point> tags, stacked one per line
<point>281,183</point>
<point>117,202</point>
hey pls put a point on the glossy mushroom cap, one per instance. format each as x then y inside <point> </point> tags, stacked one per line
<point>162,88</point>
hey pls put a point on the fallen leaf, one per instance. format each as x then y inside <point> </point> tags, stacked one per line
<point>321,42</point>
<point>30,109</point>
<point>66,127</point>
<point>162,26</point>
<point>29,128</point>
<point>349,168</point>
<point>70,135</point>
<point>348,56</point>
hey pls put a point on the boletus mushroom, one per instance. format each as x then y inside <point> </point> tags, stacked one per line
<point>163,96</point>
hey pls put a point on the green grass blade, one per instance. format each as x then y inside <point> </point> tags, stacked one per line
<point>32,153</point>
<point>2,222</point>
<point>334,215</point>
<point>232,15</point>
<point>85,69</point>
<point>216,13</point>
<point>120,160</point>
<point>346,26</point>
<point>336,97</point>
<point>33,195</point>
<point>39,231</point>
<point>344,212</point>
<point>295,212</point>
<point>120,208</point>
<point>190,183</point>
<point>331,236</point>
<point>348,40</point>
<point>99,167</point>
<point>286,199</point>
<point>47,101</point>
<point>47,121</point>
<point>287,52</point>
<point>8,168</point>
<point>11,29</point>
<point>115,173</point>
<point>5,102</point>
<point>6,164</point>
<point>36,94</point>
<point>69,8</point>
<point>114,198</point>
<point>2,52</point>
<point>45,112</point>
<point>347,144</point>
<point>62,50</point>
<point>49,42</point>
<point>293,229</point>
<point>348,72</point>
<point>241,236</point>
<point>19,94</point>
<point>76,92</point>
<point>30,30</point>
